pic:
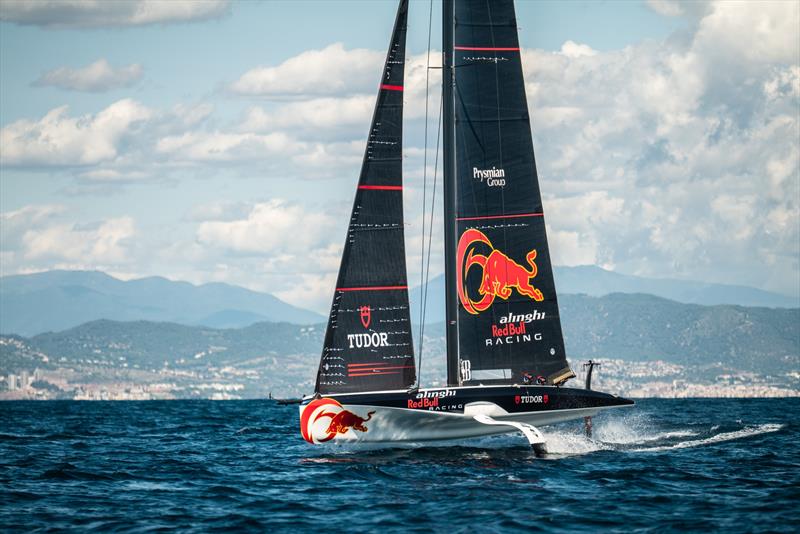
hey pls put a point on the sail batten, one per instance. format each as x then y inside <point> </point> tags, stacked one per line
<point>368,339</point>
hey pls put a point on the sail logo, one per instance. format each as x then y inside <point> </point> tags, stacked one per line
<point>366,315</point>
<point>522,318</point>
<point>324,419</point>
<point>366,341</point>
<point>494,177</point>
<point>499,273</point>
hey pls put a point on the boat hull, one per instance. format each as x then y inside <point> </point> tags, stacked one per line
<point>443,414</point>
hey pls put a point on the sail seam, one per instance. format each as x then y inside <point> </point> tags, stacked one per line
<point>487,48</point>
<point>371,288</point>
<point>485,217</point>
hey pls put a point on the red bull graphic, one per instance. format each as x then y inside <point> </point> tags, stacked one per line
<point>499,273</point>
<point>324,419</point>
<point>366,315</point>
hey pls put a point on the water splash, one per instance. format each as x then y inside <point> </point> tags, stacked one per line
<point>717,438</point>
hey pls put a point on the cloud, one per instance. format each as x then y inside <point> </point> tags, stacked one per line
<point>106,14</point>
<point>313,114</point>
<point>38,237</point>
<point>13,224</point>
<point>677,158</point>
<point>98,77</point>
<point>287,249</point>
<point>275,228</point>
<point>673,158</point>
<point>96,243</point>
<point>668,8</point>
<point>60,140</point>
<point>330,71</point>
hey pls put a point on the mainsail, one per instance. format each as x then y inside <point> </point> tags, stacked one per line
<point>368,340</point>
<point>506,314</point>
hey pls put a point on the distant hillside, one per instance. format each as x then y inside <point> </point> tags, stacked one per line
<point>646,328</point>
<point>596,282</point>
<point>618,326</point>
<point>149,344</point>
<point>57,300</point>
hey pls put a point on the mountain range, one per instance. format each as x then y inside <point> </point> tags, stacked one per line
<point>597,282</point>
<point>58,300</point>
<point>640,338</point>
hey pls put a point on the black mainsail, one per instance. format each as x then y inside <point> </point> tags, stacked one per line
<point>368,340</point>
<point>506,314</point>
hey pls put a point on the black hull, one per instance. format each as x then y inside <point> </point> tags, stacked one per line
<point>444,414</point>
<point>512,399</point>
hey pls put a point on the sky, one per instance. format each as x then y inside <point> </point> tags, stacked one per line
<point>221,140</point>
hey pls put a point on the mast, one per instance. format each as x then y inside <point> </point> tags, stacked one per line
<point>448,114</point>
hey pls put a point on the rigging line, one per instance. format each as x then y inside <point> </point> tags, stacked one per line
<point>430,237</point>
<point>424,192</point>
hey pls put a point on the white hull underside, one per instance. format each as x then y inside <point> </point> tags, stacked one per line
<point>386,424</point>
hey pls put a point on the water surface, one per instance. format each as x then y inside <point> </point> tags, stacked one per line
<point>665,465</point>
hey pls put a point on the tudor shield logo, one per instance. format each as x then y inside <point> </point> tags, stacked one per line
<point>366,315</point>
<point>499,273</point>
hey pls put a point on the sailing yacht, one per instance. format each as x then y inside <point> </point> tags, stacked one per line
<point>506,362</point>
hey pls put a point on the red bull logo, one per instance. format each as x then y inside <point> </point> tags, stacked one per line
<point>324,419</point>
<point>499,273</point>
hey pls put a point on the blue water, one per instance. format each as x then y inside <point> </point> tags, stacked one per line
<point>665,465</point>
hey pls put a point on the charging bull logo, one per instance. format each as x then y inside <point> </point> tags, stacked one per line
<point>499,273</point>
<point>324,419</point>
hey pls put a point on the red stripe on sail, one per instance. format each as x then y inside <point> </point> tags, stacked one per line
<point>484,217</point>
<point>382,187</point>
<point>381,368</point>
<point>487,48</point>
<point>392,87</point>
<point>371,288</point>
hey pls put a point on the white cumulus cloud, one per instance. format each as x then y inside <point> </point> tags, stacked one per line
<point>332,70</point>
<point>58,139</point>
<point>110,13</point>
<point>97,77</point>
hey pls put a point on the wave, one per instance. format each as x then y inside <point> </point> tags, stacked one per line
<point>717,438</point>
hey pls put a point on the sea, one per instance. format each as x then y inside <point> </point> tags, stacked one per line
<point>707,465</point>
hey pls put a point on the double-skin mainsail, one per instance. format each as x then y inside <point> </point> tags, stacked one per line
<point>503,307</point>
<point>368,340</point>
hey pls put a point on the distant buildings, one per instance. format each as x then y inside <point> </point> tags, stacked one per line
<point>24,380</point>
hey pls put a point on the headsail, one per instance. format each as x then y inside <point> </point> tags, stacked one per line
<point>368,340</point>
<point>507,313</point>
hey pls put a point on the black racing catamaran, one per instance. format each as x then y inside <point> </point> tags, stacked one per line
<point>506,363</point>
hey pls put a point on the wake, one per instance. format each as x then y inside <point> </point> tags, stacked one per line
<point>718,438</point>
<point>636,434</point>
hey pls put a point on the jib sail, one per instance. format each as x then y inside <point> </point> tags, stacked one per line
<point>508,325</point>
<point>368,340</point>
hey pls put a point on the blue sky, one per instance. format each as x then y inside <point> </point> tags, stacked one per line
<point>222,140</point>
